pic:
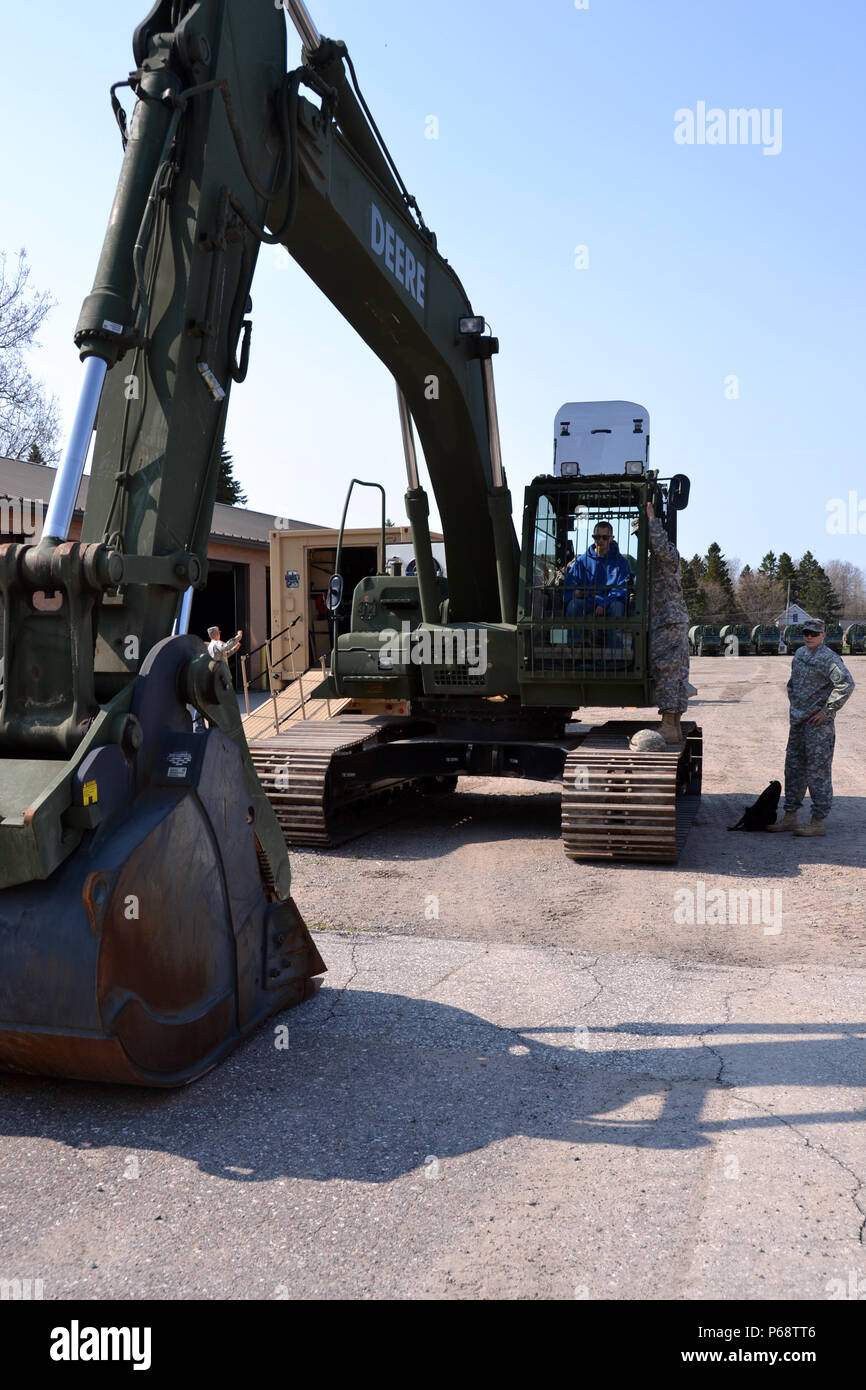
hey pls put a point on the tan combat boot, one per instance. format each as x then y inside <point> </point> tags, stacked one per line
<point>815,827</point>
<point>671,731</point>
<point>788,822</point>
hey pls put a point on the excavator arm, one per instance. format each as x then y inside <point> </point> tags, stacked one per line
<point>354,233</point>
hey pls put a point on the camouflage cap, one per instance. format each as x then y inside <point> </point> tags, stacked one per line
<point>814,625</point>
<point>647,741</point>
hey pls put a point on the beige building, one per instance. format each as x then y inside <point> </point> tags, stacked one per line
<point>302,562</point>
<point>237,594</point>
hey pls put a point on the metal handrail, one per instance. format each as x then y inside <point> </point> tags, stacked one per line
<point>275,635</point>
<point>361,483</point>
<point>262,674</point>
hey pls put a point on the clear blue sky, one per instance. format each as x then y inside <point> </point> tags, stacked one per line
<point>556,129</point>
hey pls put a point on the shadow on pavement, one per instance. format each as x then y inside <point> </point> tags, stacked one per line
<point>373,1085</point>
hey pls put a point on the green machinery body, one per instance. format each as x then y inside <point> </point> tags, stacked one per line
<point>110,816</point>
<point>146,921</point>
<point>705,640</point>
<point>854,639</point>
<point>765,639</point>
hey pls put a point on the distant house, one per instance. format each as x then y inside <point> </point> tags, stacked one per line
<point>792,614</point>
<point>238,591</point>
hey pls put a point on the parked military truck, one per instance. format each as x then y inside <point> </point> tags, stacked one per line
<point>792,636</point>
<point>704,640</point>
<point>854,639</point>
<point>765,639</point>
<point>737,639</point>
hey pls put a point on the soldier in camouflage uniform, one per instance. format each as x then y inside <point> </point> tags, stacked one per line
<point>819,686</point>
<point>669,633</point>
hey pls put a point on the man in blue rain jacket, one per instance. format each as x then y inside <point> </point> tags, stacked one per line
<point>597,583</point>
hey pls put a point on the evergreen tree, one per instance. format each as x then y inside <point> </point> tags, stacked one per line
<point>808,570</point>
<point>35,455</point>
<point>716,570</point>
<point>693,594</point>
<point>825,602</point>
<point>769,566</point>
<point>815,592</point>
<point>786,570</point>
<point>229,489</point>
<point>716,574</point>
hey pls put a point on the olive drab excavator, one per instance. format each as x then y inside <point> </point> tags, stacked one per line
<point>146,918</point>
<point>492,681</point>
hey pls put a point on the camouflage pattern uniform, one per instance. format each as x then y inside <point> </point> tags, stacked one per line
<point>820,680</point>
<point>669,633</point>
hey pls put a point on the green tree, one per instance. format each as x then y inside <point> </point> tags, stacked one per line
<point>786,571</point>
<point>35,455</point>
<point>807,572</point>
<point>698,565</point>
<point>694,595</point>
<point>769,566</point>
<point>716,570</point>
<point>717,574</point>
<point>229,489</point>
<point>815,592</point>
<point>822,601</point>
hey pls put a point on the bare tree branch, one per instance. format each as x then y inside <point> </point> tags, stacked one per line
<point>27,415</point>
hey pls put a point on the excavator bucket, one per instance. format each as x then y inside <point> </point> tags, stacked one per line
<point>150,951</point>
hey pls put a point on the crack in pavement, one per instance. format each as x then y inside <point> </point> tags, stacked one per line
<point>455,971</point>
<point>822,1149</point>
<point>340,992</point>
<point>735,1088</point>
<point>429,990</point>
<point>587,970</point>
<point>727,1006</point>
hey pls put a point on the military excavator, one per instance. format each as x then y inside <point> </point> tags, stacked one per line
<point>491,661</point>
<point>146,917</point>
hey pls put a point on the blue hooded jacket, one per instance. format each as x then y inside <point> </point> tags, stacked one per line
<point>598,581</point>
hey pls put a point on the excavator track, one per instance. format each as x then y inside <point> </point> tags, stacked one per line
<point>626,806</point>
<point>294,768</point>
<point>616,805</point>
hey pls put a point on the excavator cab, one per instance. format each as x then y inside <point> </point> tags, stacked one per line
<point>585,596</point>
<point>583,602</point>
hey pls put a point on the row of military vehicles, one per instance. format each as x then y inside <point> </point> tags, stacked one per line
<point>765,639</point>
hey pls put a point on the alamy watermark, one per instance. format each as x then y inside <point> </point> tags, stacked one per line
<point>77,1343</point>
<point>18,1290</point>
<point>846,517</point>
<point>736,126</point>
<point>735,906</point>
<point>20,516</point>
<point>441,646</point>
<point>854,1287</point>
